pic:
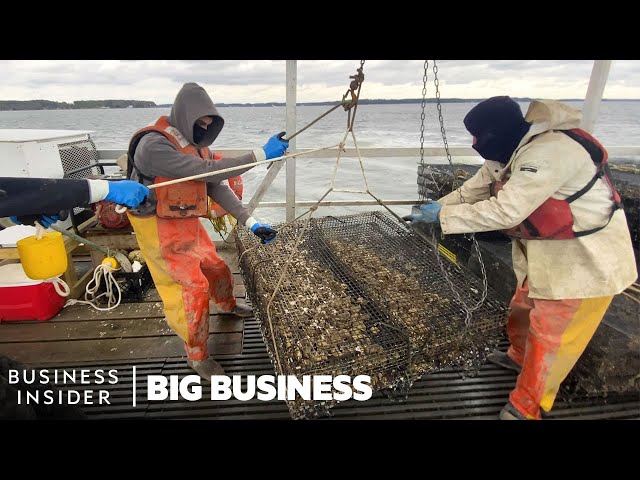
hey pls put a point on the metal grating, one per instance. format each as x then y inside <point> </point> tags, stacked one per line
<point>447,394</point>
<point>79,154</point>
<point>363,295</point>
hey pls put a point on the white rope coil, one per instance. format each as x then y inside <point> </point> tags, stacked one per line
<point>102,273</point>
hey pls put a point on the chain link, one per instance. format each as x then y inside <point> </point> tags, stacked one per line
<point>355,87</point>
<point>423,195</point>
<point>468,311</point>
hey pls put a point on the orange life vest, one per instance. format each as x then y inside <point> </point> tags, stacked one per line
<point>235,183</point>
<point>186,199</point>
<point>553,220</point>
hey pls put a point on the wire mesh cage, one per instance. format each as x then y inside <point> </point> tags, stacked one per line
<point>363,295</point>
<point>76,158</point>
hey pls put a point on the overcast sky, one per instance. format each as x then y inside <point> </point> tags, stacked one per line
<point>229,81</point>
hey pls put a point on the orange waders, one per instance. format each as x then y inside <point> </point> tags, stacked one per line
<point>187,271</point>
<point>547,338</point>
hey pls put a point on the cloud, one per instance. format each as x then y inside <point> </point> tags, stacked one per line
<point>319,80</point>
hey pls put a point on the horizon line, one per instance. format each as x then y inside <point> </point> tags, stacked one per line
<point>318,102</point>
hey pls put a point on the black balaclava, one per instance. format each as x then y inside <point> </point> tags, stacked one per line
<point>498,125</point>
<point>198,134</point>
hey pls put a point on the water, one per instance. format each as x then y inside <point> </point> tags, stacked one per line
<point>386,126</point>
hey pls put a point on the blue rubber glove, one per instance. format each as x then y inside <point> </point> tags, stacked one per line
<point>45,220</point>
<point>275,147</point>
<point>265,232</point>
<point>127,192</point>
<point>429,213</point>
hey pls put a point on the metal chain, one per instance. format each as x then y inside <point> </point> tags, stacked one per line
<point>423,195</point>
<point>468,310</point>
<point>358,78</point>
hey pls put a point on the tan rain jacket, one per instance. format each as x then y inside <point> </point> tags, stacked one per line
<point>551,165</point>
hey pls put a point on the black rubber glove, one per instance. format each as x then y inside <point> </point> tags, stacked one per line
<point>264,232</point>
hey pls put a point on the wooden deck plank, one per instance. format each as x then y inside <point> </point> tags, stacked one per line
<point>104,329</point>
<point>124,310</point>
<point>33,353</point>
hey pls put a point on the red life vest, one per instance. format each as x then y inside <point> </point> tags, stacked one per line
<point>553,219</point>
<point>186,199</point>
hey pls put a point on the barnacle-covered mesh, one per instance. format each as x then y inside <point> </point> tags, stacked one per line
<point>363,295</point>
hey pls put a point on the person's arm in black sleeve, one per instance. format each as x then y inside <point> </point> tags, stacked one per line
<point>34,196</point>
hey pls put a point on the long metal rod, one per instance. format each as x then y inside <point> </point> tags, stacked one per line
<point>241,167</point>
<point>314,121</point>
<point>79,239</point>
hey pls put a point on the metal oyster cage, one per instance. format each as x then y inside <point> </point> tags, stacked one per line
<point>363,295</point>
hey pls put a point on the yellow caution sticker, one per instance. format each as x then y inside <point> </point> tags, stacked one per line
<point>448,254</point>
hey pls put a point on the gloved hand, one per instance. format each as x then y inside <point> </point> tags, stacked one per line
<point>429,213</point>
<point>275,147</point>
<point>127,192</point>
<point>265,232</point>
<point>45,220</point>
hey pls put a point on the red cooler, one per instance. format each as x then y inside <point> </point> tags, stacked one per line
<point>24,299</point>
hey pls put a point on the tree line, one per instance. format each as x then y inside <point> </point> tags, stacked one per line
<point>79,104</point>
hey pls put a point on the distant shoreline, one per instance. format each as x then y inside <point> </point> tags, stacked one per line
<point>21,105</point>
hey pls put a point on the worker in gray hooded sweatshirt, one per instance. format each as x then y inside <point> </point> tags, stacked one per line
<point>183,261</point>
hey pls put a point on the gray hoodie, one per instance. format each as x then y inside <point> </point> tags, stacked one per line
<point>156,156</point>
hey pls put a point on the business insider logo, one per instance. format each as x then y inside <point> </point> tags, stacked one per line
<point>42,387</point>
<point>263,387</point>
<point>90,387</point>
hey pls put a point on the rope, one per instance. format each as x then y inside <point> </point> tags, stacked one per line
<point>294,250</point>
<point>60,286</point>
<point>39,230</point>
<point>312,210</point>
<point>625,168</point>
<point>102,272</point>
<point>350,122</point>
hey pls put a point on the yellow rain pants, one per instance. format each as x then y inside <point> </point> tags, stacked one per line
<point>187,271</point>
<point>547,338</point>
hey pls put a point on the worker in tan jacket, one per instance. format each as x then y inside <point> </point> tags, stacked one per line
<point>545,182</point>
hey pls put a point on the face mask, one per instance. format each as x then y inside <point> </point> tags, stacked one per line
<point>198,133</point>
<point>499,146</point>
<point>491,147</point>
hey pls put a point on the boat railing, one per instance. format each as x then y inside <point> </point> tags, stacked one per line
<point>460,155</point>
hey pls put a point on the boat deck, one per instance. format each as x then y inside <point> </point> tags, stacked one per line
<point>136,335</point>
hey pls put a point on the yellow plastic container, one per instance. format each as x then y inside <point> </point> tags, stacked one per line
<point>44,258</point>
